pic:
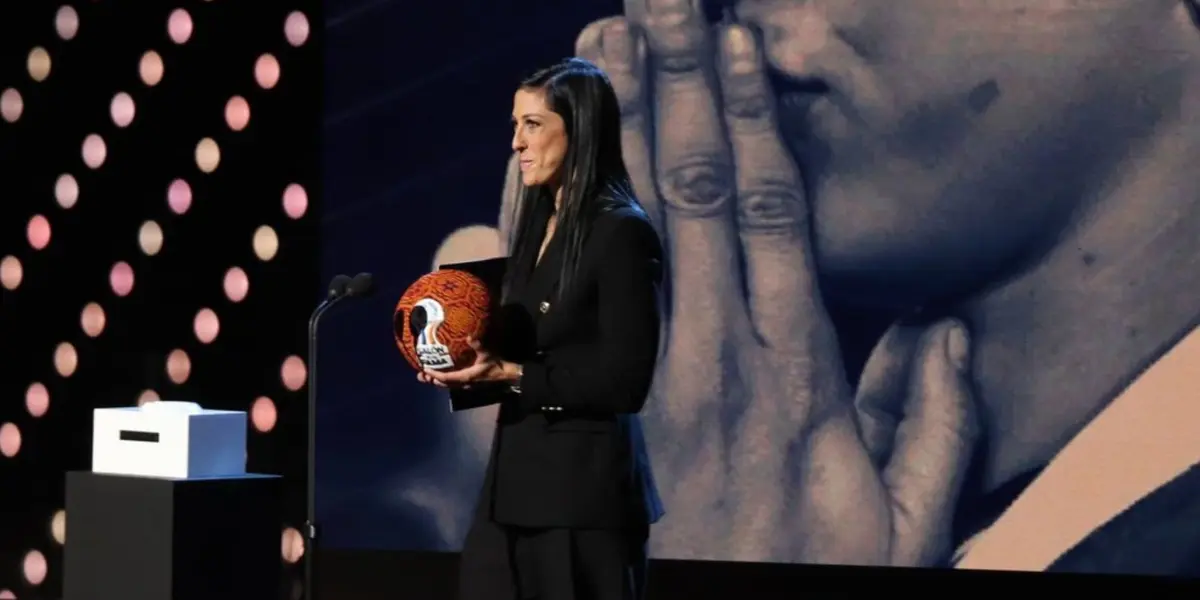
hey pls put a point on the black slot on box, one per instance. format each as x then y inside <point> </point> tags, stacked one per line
<point>144,538</point>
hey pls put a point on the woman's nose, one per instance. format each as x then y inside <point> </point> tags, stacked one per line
<point>518,142</point>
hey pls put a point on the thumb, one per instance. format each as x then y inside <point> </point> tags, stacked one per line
<point>933,446</point>
<point>883,388</point>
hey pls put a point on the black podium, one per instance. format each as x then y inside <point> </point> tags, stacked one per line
<point>142,538</point>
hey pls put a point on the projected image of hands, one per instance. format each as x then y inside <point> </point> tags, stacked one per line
<point>1005,182</point>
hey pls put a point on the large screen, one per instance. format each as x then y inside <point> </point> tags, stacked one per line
<point>932,270</point>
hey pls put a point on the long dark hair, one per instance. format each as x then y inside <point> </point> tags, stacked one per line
<point>593,177</point>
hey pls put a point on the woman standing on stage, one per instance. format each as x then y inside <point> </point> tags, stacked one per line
<point>568,498</point>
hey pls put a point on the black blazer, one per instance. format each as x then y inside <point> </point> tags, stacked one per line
<point>568,450</point>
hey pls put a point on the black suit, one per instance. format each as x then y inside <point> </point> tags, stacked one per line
<point>568,496</point>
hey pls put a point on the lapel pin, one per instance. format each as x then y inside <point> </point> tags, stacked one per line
<point>545,307</point>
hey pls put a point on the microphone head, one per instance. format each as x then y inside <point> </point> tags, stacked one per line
<point>361,285</point>
<point>339,285</point>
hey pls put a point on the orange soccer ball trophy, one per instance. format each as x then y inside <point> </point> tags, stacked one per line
<point>437,316</point>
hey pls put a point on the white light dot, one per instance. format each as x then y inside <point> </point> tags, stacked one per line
<point>266,243</point>
<point>475,242</point>
<point>295,28</point>
<point>37,400</point>
<point>122,109</point>
<point>66,359</point>
<point>121,278</point>
<point>58,527</point>
<point>38,64</point>
<point>10,440</point>
<point>66,22</point>
<point>34,567</point>
<point>11,272</point>
<point>179,26</point>
<point>295,201</point>
<point>263,414</point>
<point>150,68</point>
<point>94,151</point>
<point>237,284</point>
<point>179,196</point>
<point>206,325</point>
<point>38,232</point>
<point>147,396</point>
<point>266,71</point>
<point>208,155</point>
<point>92,319</point>
<point>66,190</point>
<point>179,366</point>
<point>292,545</point>
<point>11,105</point>
<point>150,238</point>
<point>293,373</point>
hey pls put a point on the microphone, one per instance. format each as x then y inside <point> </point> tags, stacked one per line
<point>340,288</point>
<point>361,286</point>
<point>337,287</point>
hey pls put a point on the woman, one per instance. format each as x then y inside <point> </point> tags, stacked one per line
<point>568,497</point>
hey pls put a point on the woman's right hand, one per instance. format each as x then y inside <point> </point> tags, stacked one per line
<point>761,450</point>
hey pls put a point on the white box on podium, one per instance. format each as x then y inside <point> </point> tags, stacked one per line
<point>173,440</point>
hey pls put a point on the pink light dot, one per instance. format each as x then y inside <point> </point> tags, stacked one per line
<point>179,26</point>
<point>206,325</point>
<point>266,71</point>
<point>237,284</point>
<point>295,28</point>
<point>34,567</point>
<point>38,232</point>
<point>150,68</point>
<point>66,190</point>
<point>10,440</point>
<point>11,105</point>
<point>147,396</point>
<point>295,201</point>
<point>179,196</point>
<point>7,595</point>
<point>263,414</point>
<point>237,113</point>
<point>121,279</point>
<point>94,151</point>
<point>66,359</point>
<point>122,109</point>
<point>66,22</point>
<point>292,545</point>
<point>37,400</point>
<point>179,366</point>
<point>11,272</point>
<point>92,319</point>
<point>293,373</point>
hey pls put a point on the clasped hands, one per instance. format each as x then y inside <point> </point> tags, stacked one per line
<point>487,368</point>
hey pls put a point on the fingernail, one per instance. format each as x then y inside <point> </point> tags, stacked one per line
<point>618,44</point>
<point>669,8</point>
<point>958,347</point>
<point>739,50</point>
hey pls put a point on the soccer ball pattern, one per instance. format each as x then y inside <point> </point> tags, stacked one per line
<point>436,316</point>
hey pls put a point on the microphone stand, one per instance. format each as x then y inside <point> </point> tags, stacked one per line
<point>310,526</point>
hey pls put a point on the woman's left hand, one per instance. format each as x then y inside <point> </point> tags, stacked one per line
<point>487,368</point>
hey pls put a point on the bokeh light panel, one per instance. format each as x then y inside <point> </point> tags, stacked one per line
<point>158,160</point>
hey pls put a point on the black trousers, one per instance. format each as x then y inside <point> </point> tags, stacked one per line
<point>510,563</point>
